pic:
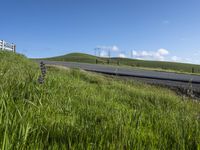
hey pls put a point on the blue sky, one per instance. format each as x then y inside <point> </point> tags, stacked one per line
<point>149,29</point>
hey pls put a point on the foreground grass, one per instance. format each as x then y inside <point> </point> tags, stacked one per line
<point>78,110</point>
<point>126,62</point>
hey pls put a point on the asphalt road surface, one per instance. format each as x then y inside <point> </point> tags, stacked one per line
<point>184,81</point>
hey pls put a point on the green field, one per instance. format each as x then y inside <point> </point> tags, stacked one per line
<point>74,109</point>
<point>157,65</point>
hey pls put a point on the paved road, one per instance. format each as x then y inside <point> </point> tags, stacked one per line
<point>164,78</point>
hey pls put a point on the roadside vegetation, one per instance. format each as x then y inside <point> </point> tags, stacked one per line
<point>133,63</point>
<point>74,109</point>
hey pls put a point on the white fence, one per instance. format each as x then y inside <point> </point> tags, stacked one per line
<point>7,46</point>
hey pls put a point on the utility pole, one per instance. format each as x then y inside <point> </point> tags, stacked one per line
<point>99,51</point>
<point>3,42</point>
<point>131,53</point>
<point>109,53</point>
<point>95,52</point>
<point>14,48</point>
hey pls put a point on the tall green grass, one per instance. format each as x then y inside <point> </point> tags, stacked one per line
<point>78,110</point>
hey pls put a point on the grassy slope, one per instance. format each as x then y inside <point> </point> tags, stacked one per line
<point>79,57</point>
<point>79,110</point>
<point>75,57</point>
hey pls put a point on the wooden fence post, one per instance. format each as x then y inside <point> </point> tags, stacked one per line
<point>192,70</point>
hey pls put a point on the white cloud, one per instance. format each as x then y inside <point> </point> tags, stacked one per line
<point>151,55</point>
<point>160,54</point>
<point>121,55</point>
<point>197,53</point>
<point>113,48</point>
<point>176,59</point>
<point>163,52</point>
<point>134,53</point>
<point>183,60</point>
<point>103,54</point>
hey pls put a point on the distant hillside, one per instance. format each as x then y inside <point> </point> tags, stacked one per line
<point>86,58</point>
<point>75,57</point>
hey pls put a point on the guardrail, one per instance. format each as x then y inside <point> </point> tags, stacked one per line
<point>7,46</point>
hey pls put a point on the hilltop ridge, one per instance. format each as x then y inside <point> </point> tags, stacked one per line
<point>87,58</point>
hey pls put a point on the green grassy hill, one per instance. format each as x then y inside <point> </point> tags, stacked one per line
<point>74,109</point>
<point>86,58</point>
<point>75,57</point>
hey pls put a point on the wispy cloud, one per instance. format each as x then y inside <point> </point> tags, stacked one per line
<point>113,48</point>
<point>176,59</point>
<point>103,53</point>
<point>182,60</point>
<point>165,22</point>
<point>183,39</point>
<point>121,55</point>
